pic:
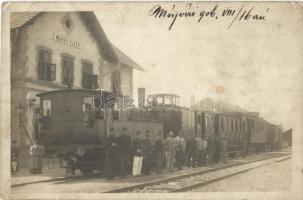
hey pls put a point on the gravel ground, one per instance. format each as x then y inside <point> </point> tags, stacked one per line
<point>274,177</point>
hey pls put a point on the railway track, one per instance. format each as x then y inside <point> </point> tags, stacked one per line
<point>197,179</point>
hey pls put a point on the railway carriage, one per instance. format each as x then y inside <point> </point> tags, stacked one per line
<point>229,126</point>
<point>257,133</point>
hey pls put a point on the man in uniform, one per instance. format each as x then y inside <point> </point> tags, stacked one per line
<point>170,150</point>
<point>147,152</point>
<point>36,152</point>
<point>159,152</point>
<point>124,148</point>
<point>138,154</point>
<point>199,156</point>
<point>210,149</point>
<point>191,151</point>
<point>111,153</point>
<point>14,157</point>
<point>179,152</point>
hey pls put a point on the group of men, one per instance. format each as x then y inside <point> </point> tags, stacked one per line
<point>137,157</point>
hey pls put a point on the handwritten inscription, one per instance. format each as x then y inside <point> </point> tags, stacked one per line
<point>240,14</point>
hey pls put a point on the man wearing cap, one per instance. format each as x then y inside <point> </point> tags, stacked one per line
<point>170,151</point>
<point>147,150</point>
<point>111,153</point>
<point>138,154</point>
<point>159,152</point>
<point>123,152</point>
<point>36,152</point>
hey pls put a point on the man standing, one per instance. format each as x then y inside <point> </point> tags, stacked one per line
<point>210,150</point>
<point>204,150</point>
<point>147,152</point>
<point>14,157</point>
<point>199,156</point>
<point>191,149</point>
<point>179,152</point>
<point>217,150</point>
<point>138,154</point>
<point>224,150</point>
<point>159,152</point>
<point>111,153</point>
<point>123,152</point>
<point>170,150</point>
<point>36,152</point>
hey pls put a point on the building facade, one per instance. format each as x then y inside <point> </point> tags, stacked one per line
<point>60,50</point>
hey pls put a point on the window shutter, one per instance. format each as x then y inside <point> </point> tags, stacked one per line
<point>40,71</point>
<point>52,71</point>
<point>94,79</point>
<point>70,76</point>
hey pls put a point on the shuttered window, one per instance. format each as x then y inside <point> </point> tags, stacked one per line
<point>46,70</point>
<point>67,71</point>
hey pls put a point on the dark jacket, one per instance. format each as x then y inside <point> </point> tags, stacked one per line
<point>158,147</point>
<point>111,145</point>
<point>147,147</point>
<point>138,147</point>
<point>191,146</point>
<point>124,146</point>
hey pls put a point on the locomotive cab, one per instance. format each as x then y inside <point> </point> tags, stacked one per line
<point>69,123</point>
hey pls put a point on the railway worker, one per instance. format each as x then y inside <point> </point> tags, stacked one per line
<point>159,152</point>
<point>138,154</point>
<point>14,157</point>
<point>124,151</point>
<point>210,149</point>
<point>179,152</point>
<point>200,149</point>
<point>170,151</point>
<point>224,150</point>
<point>36,153</point>
<point>217,150</point>
<point>147,153</point>
<point>191,151</point>
<point>204,150</point>
<point>111,153</point>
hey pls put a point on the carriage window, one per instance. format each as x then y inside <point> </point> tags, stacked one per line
<point>168,100</point>
<point>46,107</point>
<point>67,71</point>
<point>232,125</point>
<point>222,125</point>
<point>86,106</point>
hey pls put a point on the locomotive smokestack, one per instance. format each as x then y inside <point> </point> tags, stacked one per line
<point>141,97</point>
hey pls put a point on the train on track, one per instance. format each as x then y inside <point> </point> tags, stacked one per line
<point>69,123</point>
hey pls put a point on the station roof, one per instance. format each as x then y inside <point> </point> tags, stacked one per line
<point>111,52</point>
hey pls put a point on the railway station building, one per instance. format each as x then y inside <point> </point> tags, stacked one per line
<point>60,50</point>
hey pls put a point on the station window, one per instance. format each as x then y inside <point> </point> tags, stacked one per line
<point>89,80</point>
<point>222,124</point>
<point>232,125</point>
<point>67,71</point>
<point>46,70</point>
<point>46,108</point>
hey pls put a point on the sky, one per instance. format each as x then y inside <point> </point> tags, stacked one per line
<point>258,63</point>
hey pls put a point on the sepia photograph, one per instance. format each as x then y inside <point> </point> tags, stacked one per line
<point>143,100</point>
